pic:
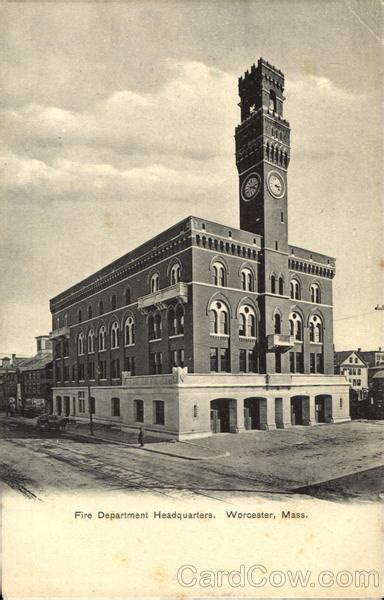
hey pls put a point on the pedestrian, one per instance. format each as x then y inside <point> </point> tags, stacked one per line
<point>140,437</point>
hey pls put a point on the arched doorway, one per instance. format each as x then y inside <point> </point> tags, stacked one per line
<point>297,409</point>
<point>253,412</point>
<point>223,415</point>
<point>323,408</point>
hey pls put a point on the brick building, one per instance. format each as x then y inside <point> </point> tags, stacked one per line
<point>35,376</point>
<point>208,328</point>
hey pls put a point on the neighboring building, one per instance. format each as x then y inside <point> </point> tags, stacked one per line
<point>351,364</point>
<point>375,362</point>
<point>375,408</point>
<point>208,328</point>
<point>9,379</point>
<point>35,376</point>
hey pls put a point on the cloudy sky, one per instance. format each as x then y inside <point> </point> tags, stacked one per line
<point>117,120</point>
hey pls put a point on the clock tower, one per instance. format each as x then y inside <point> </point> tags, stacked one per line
<point>262,155</point>
<point>262,158</point>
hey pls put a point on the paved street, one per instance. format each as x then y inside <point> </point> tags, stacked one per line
<point>276,463</point>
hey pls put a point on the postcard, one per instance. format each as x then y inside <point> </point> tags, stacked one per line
<point>191,361</point>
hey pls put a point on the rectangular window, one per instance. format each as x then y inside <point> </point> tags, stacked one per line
<point>319,363</point>
<point>224,360</point>
<point>139,411</point>
<point>299,362</point>
<point>214,363</point>
<point>276,245</point>
<point>159,412</point>
<point>312,363</point>
<point>243,361</point>
<point>253,366</point>
<point>115,406</point>
<point>66,373</point>
<point>195,411</point>
<point>58,372</point>
<point>80,370</point>
<point>103,369</point>
<point>292,362</point>
<point>155,363</point>
<point>129,364</point>
<point>115,364</point>
<point>81,402</point>
<point>282,217</point>
<point>73,372</point>
<point>92,405</point>
<point>91,370</point>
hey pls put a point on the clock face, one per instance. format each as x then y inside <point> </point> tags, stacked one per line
<point>250,187</point>
<point>276,184</point>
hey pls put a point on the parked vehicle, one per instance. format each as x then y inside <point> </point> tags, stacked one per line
<point>48,421</point>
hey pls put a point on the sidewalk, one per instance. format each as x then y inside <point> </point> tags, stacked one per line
<point>111,435</point>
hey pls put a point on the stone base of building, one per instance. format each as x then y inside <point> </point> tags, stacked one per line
<point>184,405</point>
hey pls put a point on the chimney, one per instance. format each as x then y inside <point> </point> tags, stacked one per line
<point>359,349</point>
<point>13,360</point>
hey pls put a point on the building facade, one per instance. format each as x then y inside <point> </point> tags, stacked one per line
<point>351,364</point>
<point>36,378</point>
<point>208,328</point>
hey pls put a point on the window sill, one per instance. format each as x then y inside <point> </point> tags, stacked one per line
<point>128,345</point>
<point>102,350</point>
<point>248,337</point>
<point>219,335</point>
<point>155,340</point>
<point>176,335</point>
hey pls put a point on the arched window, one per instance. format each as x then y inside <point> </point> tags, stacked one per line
<point>154,283</point>
<point>218,318</point>
<point>315,329</point>
<point>295,290</point>
<point>89,312</point>
<point>57,322</point>
<point>277,323</point>
<point>91,341</point>
<point>154,326</point>
<point>102,338</point>
<point>79,316</point>
<point>65,320</point>
<point>247,322</point>
<point>113,302</point>
<point>281,286</point>
<point>127,296</point>
<point>101,307</point>
<point>175,274</point>
<point>115,334</point>
<point>272,101</point>
<point>273,284</point>
<point>129,331</point>
<point>80,343</point>
<point>296,326</point>
<point>315,293</point>
<point>218,271</point>
<point>247,280</point>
